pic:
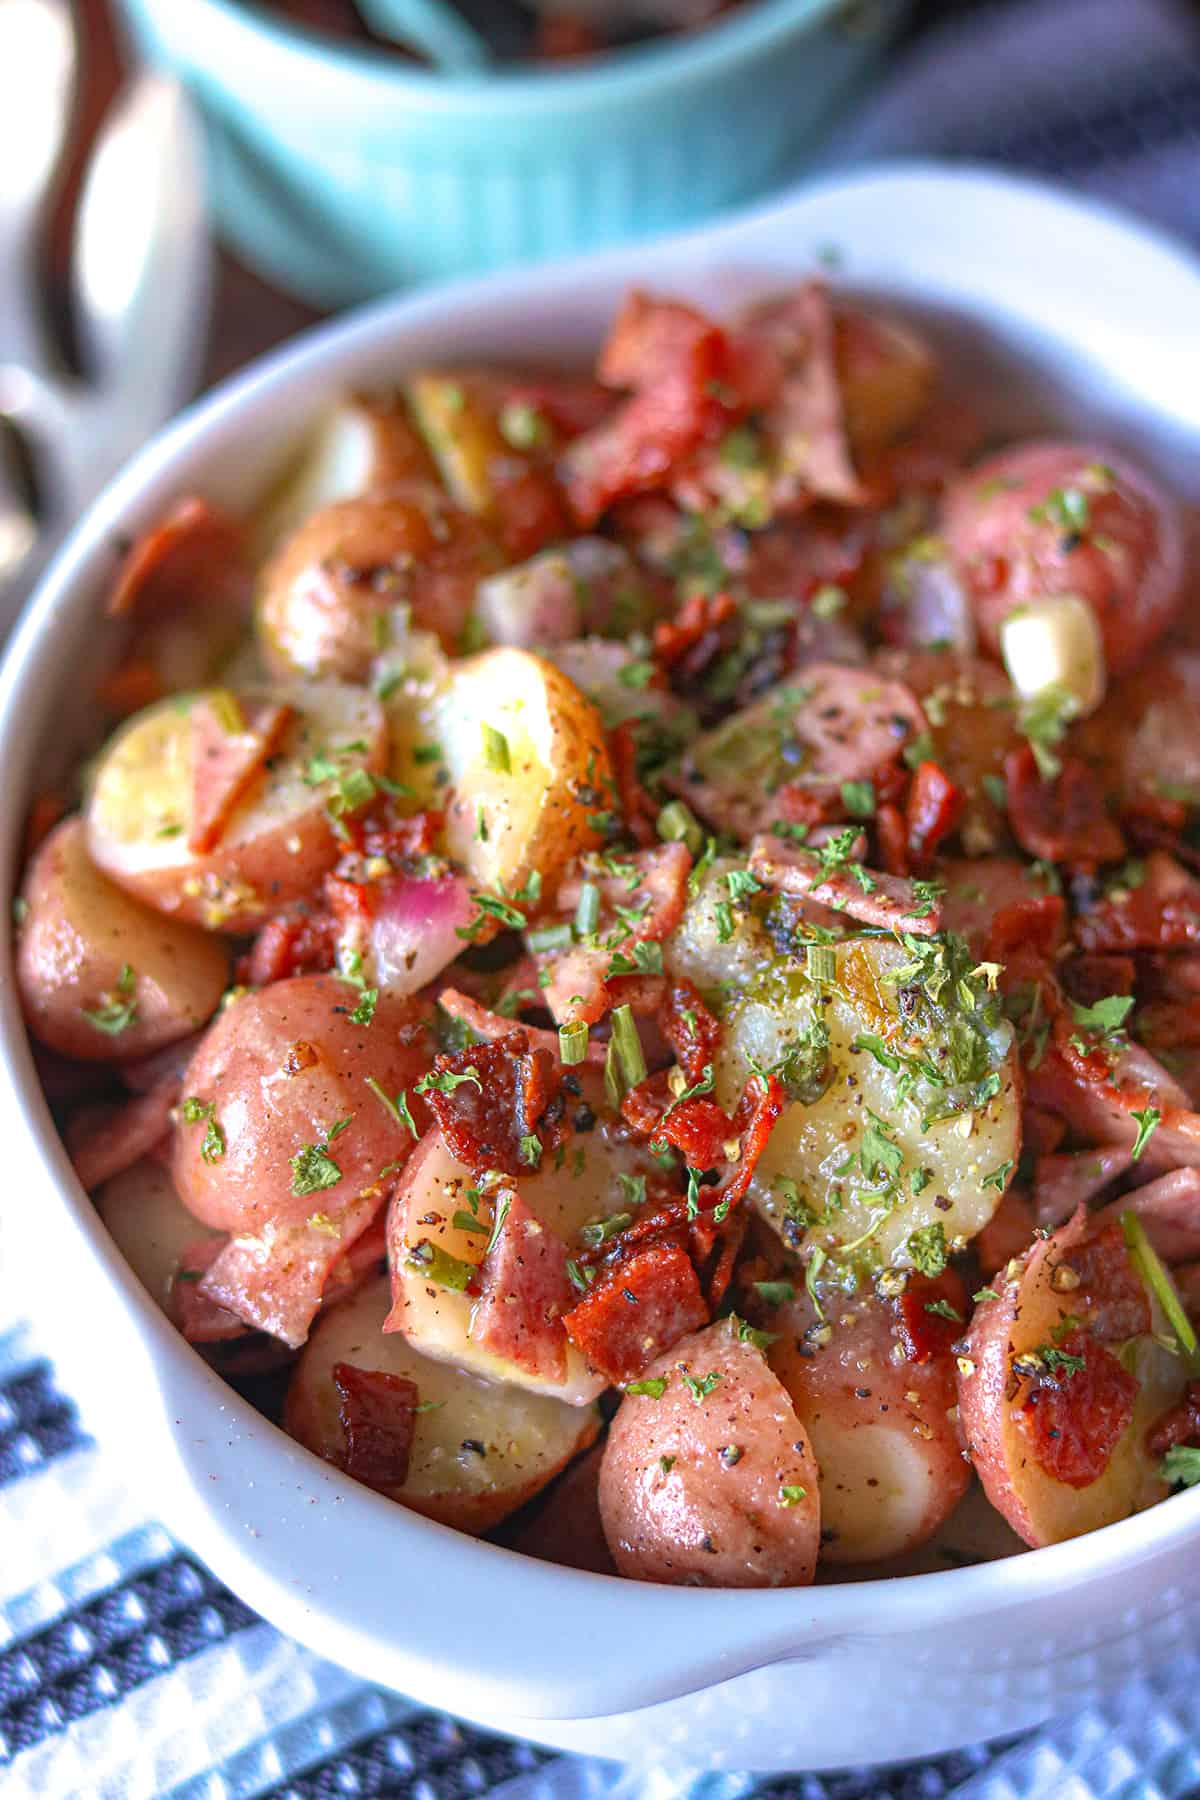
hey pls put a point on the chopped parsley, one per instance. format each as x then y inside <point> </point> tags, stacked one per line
<point>194,1111</point>
<point>858,798</point>
<point>1181,1466</point>
<point>496,754</point>
<point>651,1387</point>
<point>927,1249</point>
<point>790,1494</point>
<point>1147,1124</point>
<point>364,1012</point>
<point>313,1169</point>
<point>699,1387</point>
<point>117,1010</point>
<point>444,1081</point>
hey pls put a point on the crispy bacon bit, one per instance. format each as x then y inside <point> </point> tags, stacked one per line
<point>300,941</point>
<point>506,1094</point>
<point>225,762</point>
<point>524,1290</point>
<point>201,1320</point>
<point>932,811</point>
<point>195,556</point>
<point>572,404</point>
<point>106,1141</point>
<point>378,1414</point>
<point>275,1282</point>
<point>493,1027</point>
<point>1073,1418</point>
<point>690,1029</point>
<point>1110,1297</point>
<point>1064,820</point>
<point>637,1308</point>
<point>891,835</point>
<point>703,1132</point>
<point>925,1334</point>
<point>677,366</point>
<point>637,808</point>
<point>1161,913</point>
<point>866,894</point>
<point>1091,978</point>
<point>1036,926</point>
<point>1179,1425</point>
<point>699,619</point>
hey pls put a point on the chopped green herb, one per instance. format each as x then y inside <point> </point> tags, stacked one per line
<point>677,823</point>
<point>364,1012</point>
<point>944,1310</point>
<point>791,1495</point>
<point>1157,1278</point>
<point>444,1081</point>
<point>313,1169</point>
<point>496,754</point>
<point>998,1177</point>
<point>984,1293</point>
<point>118,1010</point>
<point>775,1293</point>
<point>437,1265</point>
<point>573,1042</point>
<point>651,1387</point>
<point>1147,1124</point>
<point>858,798</point>
<point>1181,1466</point>
<point>700,1388</point>
<point>927,1249</point>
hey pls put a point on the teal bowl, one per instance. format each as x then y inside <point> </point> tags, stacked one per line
<point>341,172</point>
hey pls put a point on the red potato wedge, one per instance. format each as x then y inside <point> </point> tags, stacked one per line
<point>433,1195</point>
<point>276,1072</point>
<point>566,1527</point>
<point>352,580</point>
<point>880,1425</point>
<point>479,1451</point>
<point>530,806</point>
<point>362,445</point>
<point>103,978</point>
<point>279,839</point>
<point>1035,1307</point>
<point>710,1481</point>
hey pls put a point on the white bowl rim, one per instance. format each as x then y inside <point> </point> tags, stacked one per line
<point>685,1638</point>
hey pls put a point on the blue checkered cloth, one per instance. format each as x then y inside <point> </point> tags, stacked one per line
<point>127,1672</point>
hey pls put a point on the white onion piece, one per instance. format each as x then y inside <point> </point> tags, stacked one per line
<point>413,933</point>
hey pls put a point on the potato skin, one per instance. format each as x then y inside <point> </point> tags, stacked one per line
<point>328,598</point>
<point>280,1067</point>
<point>1026,1313</point>
<point>79,934</point>
<point>278,842</point>
<point>675,1510</point>
<point>891,1464</point>
<point>526,1438</point>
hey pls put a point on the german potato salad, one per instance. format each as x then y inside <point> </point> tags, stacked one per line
<point>626,960</point>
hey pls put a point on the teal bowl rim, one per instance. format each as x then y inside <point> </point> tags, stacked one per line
<point>622,76</point>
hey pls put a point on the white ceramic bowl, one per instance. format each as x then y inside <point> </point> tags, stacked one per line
<point>1103,318</point>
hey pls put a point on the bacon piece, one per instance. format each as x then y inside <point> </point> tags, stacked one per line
<point>225,763</point>
<point>194,556</point>
<point>891,835</point>
<point>856,723</point>
<point>637,808</point>
<point>932,811</point>
<point>524,1290</point>
<point>890,901</point>
<point>689,1028</point>
<point>1161,913</point>
<point>1110,1297</point>
<point>202,1320</point>
<point>1063,1183</point>
<point>697,623</point>
<point>1179,1425</point>
<point>511,1093</point>
<point>926,1334</point>
<point>1091,978</point>
<point>1073,1420</point>
<point>1064,820</point>
<point>275,1282</point>
<point>677,364</point>
<point>493,1027</point>
<point>636,1309</point>
<point>106,1143</point>
<point>703,1132</point>
<point>378,1415</point>
<point>577,987</point>
<point>302,940</point>
<point>573,404</point>
<point>1041,1132</point>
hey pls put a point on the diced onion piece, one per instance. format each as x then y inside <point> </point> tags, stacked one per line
<point>1055,643</point>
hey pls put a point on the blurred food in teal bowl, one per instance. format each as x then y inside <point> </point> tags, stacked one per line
<point>342,171</point>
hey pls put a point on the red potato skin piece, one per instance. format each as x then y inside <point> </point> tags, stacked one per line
<point>637,1309</point>
<point>378,1414</point>
<point>107,1144</point>
<point>523,1292</point>
<point>1065,820</point>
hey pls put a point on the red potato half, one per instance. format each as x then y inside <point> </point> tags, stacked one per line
<point>1061,518</point>
<point>280,1068</point>
<point>711,1482</point>
<point>433,1194</point>
<point>151,1227</point>
<point>880,1425</point>
<point>1035,1307</point>
<point>885,374</point>
<point>279,840</point>
<point>101,977</point>
<point>479,1450</point>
